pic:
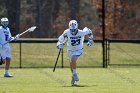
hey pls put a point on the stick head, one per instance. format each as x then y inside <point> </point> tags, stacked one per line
<point>32,29</point>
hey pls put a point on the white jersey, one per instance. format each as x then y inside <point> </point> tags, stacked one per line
<point>2,37</point>
<point>5,35</point>
<point>74,42</point>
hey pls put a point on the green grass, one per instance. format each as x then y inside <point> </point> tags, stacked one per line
<point>92,80</point>
<point>124,53</point>
<point>45,54</point>
<point>40,54</point>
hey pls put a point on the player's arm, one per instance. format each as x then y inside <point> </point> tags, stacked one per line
<point>12,38</point>
<point>1,39</point>
<point>90,36</point>
<point>61,40</point>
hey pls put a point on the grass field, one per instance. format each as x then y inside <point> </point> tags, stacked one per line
<point>92,80</point>
<point>45,54</point>
<point>125,53</point>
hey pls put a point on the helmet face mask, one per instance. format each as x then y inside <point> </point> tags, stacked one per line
<point>73,26</point>
<point>73,31</point>
<point>4,22</point>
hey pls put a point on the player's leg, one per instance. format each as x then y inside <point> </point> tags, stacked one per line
<point>73,64</point>
<point>73,69</point>
<point>7,64</point>
<point>2,57</point>
<point>73,56</point>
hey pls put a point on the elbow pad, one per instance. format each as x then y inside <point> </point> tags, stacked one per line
<point>90,34</point>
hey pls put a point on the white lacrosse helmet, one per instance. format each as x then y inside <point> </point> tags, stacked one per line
<point>73,26</point>
<point>4,22</point>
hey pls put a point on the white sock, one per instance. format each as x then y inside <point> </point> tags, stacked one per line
<point>6,72</point>
<point>74,71</point>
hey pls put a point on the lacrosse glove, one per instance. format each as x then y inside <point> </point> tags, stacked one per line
<point>17,36</point>
<point>60,46</point>
<point>90,42</point>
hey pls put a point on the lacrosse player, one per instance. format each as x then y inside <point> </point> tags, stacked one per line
<point>74,38</point>
<point>5,51</point>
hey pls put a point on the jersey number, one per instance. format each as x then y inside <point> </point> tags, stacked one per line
<point>6,37</point>
<point>75,42</point>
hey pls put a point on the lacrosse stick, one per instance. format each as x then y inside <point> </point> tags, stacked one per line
<point>1,61</point>
<point>31,29</point>
<point>57,60</point>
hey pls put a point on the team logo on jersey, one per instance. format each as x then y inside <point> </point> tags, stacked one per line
<point>6,33</point>
<point>77,37</point>
<point>75,40</point>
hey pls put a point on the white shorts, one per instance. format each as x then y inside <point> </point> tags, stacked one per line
<point>77,53</point>
<point>5,53</point>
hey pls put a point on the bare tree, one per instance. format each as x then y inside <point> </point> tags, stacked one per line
<point>13,8</point>
<point>74,8</point>
<point>47,13</point>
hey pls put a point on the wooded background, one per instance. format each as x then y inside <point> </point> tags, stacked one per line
<point>52,17</point>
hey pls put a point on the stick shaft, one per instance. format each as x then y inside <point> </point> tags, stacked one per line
<point>56,60</point>
<point>23,32</point>
<point>19,35</point>
<point>13,39</point>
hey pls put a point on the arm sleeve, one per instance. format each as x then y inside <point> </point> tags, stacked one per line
<point>88,32</point>
<point>9,36</point>
<point>62,39</point>
<point>1,38</point>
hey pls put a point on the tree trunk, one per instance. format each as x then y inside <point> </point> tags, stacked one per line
<point>74,8</point>
<point>46,18</point>
<point>13,15</point>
